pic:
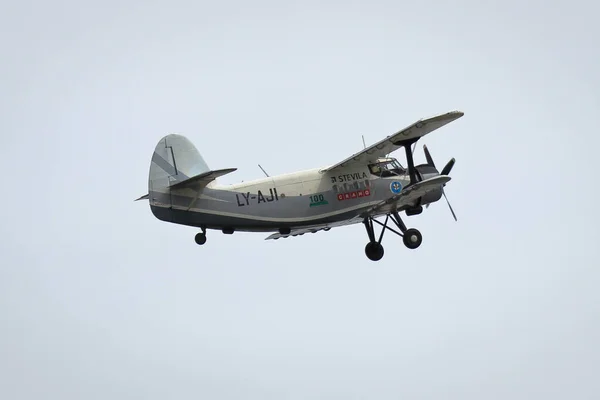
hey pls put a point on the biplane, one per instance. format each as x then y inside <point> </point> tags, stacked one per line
<point>370,184</point>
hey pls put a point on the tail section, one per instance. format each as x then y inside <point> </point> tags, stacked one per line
<point>175,159</point>
<point>177,166</point>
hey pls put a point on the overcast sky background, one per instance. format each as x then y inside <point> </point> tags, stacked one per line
<point>98,299</point>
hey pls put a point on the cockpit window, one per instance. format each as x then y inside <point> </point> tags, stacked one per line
<point>375,169</point>
<point>387,168</point>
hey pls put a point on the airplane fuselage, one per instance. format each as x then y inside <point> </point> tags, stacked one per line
<point>306,198</point>
<point>182,189</point>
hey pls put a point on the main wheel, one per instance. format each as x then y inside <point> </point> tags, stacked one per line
<point>200,238</point>
<point>412,238</point>
<point>374,251</point>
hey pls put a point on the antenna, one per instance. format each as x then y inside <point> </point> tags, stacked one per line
<point>363,137</point>
<point>263,171</point>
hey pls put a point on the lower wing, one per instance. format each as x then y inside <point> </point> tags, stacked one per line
<point>408,196</point>
<point>315,228</point>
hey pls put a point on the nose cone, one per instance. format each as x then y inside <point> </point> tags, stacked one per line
<point>427,170</point>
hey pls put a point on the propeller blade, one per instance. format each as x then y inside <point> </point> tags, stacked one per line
<point>448,167</point>
<point>451,210</point>
<point>428,156</point>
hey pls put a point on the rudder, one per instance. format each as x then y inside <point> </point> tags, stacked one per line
<point>175,159</point>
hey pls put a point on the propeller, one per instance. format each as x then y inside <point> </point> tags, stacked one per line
<point>445,171</point>
<point>447,168</point>
<point>449,206</point>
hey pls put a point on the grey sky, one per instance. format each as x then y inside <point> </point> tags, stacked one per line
<point>98,299</point>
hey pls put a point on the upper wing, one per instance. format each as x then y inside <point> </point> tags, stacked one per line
<point>391,143</point>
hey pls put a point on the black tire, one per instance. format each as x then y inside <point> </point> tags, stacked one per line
<point>200,238</point>
<point>412,238</point>
<point>374,251</point>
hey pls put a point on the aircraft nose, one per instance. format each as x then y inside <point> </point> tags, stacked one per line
<point>427,171</point>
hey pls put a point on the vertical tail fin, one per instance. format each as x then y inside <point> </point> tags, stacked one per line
<point>175,159</point>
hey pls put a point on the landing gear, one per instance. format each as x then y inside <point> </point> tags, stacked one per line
<point>201,237</point>
<point>374,251</point>
<point>412,238</point>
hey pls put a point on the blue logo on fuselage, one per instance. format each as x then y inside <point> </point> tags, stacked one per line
<point>396,187</point>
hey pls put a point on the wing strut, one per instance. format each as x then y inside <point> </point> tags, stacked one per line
<point>411,163</point>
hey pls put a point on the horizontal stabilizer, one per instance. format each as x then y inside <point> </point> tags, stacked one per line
<point>197,181</point>
<point>203,178</point>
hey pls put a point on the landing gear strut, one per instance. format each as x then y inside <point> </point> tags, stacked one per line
<point>201,237</point>
<point>373,249</point>
<point>412,238</point>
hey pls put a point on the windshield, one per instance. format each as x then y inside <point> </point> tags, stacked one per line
<point>387,168</point>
